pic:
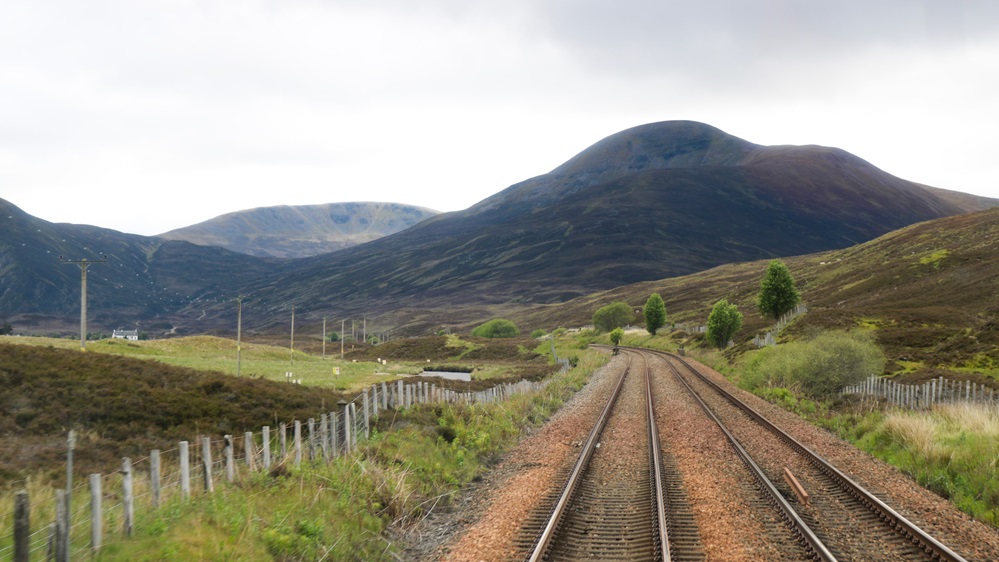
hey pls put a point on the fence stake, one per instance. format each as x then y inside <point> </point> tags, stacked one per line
<point>312,439</point>
<point>230,470</point>
<point>334,440</point>
<point>185,470</point>
<point>127,497</point>
<point>248,449</point>
<point>22,526</point>
<point>206,462</point>
<point>385,405</point>
<point>345,434</point>
<point>324,441</point>
<point>61,528</point>
<point>266,438</point>
<point>154,476</point>
<point>367,419</point>
<point>283,438</point>
<point>96,517</point>
<point>298,443</point>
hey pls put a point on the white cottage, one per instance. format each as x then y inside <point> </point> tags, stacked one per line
<point>132,335</point>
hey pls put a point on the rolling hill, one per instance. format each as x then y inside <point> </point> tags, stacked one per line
<point>303,230</point>
<point>656,201</point>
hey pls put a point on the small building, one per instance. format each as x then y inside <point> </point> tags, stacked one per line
<point>131,335</point>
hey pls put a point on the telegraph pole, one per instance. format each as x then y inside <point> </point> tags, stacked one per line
<point>342,336</point>
<point>84,264</point>
<point>239,331</point>
<point>324,337</point>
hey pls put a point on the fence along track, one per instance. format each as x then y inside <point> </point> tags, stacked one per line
<point>586,499</point>
<point>932,548</point>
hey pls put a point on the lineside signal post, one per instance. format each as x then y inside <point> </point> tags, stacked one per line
<point>84,264</point>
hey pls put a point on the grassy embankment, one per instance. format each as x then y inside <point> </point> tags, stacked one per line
<point>415,461</point>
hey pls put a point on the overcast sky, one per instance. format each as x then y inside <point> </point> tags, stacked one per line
<point>145,116</point>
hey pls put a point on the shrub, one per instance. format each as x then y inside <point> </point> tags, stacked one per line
<point>615,315</point>
<point>537,333</point>
<point>820,367</point>
<point>616,335</point>
<point>496,328</point>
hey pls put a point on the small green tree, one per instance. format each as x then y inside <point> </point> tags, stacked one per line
<point>723,322</point>
<point>655,313</point>
<point>615,336</point>
<point>6,329</point>
<point>333,336</point>
<point>778,292</point>
<point>615,315</point>
<point>496,328</point>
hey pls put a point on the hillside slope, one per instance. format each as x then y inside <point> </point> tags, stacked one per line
<point>929,291</point>
<point>303,230</point>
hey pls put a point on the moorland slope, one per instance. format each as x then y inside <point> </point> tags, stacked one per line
<point>928,291</point>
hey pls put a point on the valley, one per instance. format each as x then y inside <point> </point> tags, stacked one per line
<point>452,469</point>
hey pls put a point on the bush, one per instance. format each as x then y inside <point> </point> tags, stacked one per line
<point>615,315</point>
<point>496,328</point>
<point>820,367</point>
<point>537,333</point>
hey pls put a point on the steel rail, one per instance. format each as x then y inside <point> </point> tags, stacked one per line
<point>547,535</point>
<point>656,457</point>
<point>797,524</point>
<point>902,525</point>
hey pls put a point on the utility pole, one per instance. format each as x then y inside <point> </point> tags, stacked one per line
<point>239,331</point>
<point>364,328</point>
<point>84,264</point>
<point>342,335</point>
<point>292,336</point>
<point>324,337</point>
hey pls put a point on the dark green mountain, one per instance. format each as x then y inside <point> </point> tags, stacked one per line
<point>652,202</point>
<point>302,230</point>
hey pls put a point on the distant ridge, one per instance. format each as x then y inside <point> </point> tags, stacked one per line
<point>656,201</point>
<point>303,230</point>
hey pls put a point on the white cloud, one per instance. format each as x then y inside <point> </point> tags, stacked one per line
<point>149,116</point>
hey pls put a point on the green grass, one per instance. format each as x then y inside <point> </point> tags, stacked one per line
<point>414,463</point>
<point>950,450</point>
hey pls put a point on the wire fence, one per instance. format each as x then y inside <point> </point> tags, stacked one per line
<point>925,395</point>
<point>770,338</point>
<point>39,525</point>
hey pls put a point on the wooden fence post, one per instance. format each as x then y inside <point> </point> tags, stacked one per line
<point>96,516</point>
<point>385,403</point>
<point>61,528</point>
<point>343,444</point>
<point>312,439</point>
<point>185,470</point>
<point>154,476</point>
<point>127,500</point>
<point>367,418</point>
<point>249,450</point>
<point>22,527</point>
<point>206,463</point>
<point>230,469</point>
<point>334,440</point>
<point>324,440</point>
<point>298,443</point>
<point>266,438</point>
<point>283,438</point>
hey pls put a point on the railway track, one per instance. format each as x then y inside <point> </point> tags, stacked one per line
<point>621,500</point>
<point>838,518</point>
<point>624,498</point>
